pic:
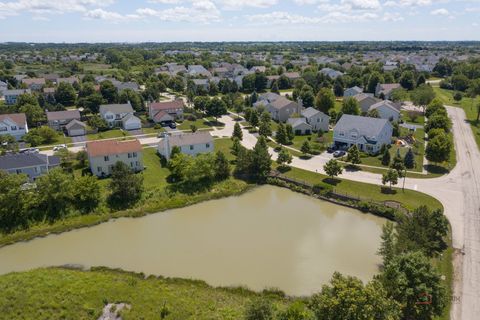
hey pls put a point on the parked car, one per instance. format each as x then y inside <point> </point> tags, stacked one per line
<point>332,148</point>
<point>60,147</point>
<point>339,153</point>
<point>30,150</point>
<point>173,125</point>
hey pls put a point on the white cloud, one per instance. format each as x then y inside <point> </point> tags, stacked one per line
<point>239,4</point>
<point>408,3</point>
<point>362,4</point>
<point>281,17</point>
<point>203,11</point>
<point>101,14</point>
<point>44,7</point>
<point>387,16</point>
<point>440,12</point>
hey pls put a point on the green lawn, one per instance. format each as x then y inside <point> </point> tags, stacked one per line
<point>419,120</point>
<point>57,293</point>
<point>199,123</point>
<point>59,139</point>
<point>109,134</point>
<point>409,198</point>
<point>467,104</point>
<point>317,143</point>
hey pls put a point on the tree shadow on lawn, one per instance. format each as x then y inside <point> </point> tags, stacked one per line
<point>436,169</point>
<point>214,123</point>
<point>305,157</point>
<point>387,190</point>
<point>332,181</point>
<point>352,168</point>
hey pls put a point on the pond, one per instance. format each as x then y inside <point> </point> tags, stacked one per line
<point>267,238</point>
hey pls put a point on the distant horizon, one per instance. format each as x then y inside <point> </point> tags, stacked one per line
<point>242,41</point>
<point>121,21</point>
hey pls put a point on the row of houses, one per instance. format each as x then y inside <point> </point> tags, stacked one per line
<point>104,154</point>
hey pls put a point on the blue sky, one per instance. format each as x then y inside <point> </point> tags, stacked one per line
<point>237,20</point>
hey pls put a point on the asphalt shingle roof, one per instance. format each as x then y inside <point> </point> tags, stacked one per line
<point>366,126</point>
<point>24,160</point>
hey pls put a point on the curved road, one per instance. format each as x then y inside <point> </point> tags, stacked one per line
<point>459,192</point>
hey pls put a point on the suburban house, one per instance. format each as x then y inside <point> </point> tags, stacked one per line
<point>369,134</point>
<point>353,91</point>
<point>35,84</point>
<point>120,115</point>
<point>386,89</point>
<point>365,101</point>
<point>279,107</point>
<point>3,87</point>
<point>14,124</point>
<point>49,94</point>
<point>317,119</point>
<point>333,74</point>
<point>201,83</point>
<point>189,143</point>
<point>31,164</point>
<point>292,76</point>
<point>104,154</point>
<point>70,80</point>
<point>11,96</point>
<point>271,80</point>
<point>57,120</point>
<point>198,70</point>
<point>300,126</point>
<point>76,128</point>
<point>166,111</point>
<point>387,110</point>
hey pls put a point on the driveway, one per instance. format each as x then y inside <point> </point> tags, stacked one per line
<point>79,139</point>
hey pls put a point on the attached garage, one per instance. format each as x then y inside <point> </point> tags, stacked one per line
<point>76,128</point>
<point>131,122</point>
<point>300,126</point>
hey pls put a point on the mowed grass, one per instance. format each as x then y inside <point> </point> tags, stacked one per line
<point>56,293</point>
<point>109,134</point>
<point>467,104</point>
<point>409,198</point>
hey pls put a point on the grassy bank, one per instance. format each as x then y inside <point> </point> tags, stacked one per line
<point>57,293</point>
<point>410,199</point>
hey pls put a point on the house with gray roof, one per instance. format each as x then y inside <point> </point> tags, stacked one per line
<point>12,95</point>
<point>3,87</point>
<point>387,110</point>
<point>14,124</point>
<point>300,126</point>
<point>385,89</point>
<point>198,70</point>
<point>57,120</point>
<point>368,134</point>
<point>120,115</point>
<point>76,128</point>
<point>333,74</point>
<point>365,101</point>
<point>353,91</point>
<point>31,164</point>
<point>189,143</point>
<point>280,108</point>
<point>318,120</point>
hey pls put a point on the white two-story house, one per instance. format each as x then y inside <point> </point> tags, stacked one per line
<point>317,119</point>
<point>189,143</point>
<point>120,115</point>
<point>103,155</point>
<point>11,96</point>
<point>14,124</point>
<point>368,134</point>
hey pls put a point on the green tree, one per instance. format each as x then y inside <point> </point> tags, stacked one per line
<point>409,160</point>
<point>237,132</point>
<point>386,158</point>
<point>307,96</point>
<point>222,168</point>
<point>55,193</point>
<point>236,146</point>
<point>306,148</point>
<point>423,95</point>
<point>136,100</point>
<point>26,98</point>
<point>97,122</point>
<point>260,309</point>
<point>296,311</point>
<point>93,102</point>
<point>410,279</point>
<point>281,134</point>
<point>423,230</point>
<point>86,193</point>
<point>373,113</point>
<point>437,120</point>
<point>109,91</point>
<point>398,165</point>
<point>390,177</point>
<point>254,119</point>
<point>333,168</point>
<point>407,80</point>
<point>435,106</point>
<point>284,158</point>
<point>126,187</point>
<point>374,79</point>
<point>265,128</point>
<point>353,155</point>
<point>34,114</point>
<point>261,160</point>
<point>325,100</point>
<point>65,94</point>
<point>14,202</point>
<point>438,149</point>
<point>388,246</point>
<point>348,298</point>
<point>290,133</point>
<point>350,105</point>
<point>216,108</point>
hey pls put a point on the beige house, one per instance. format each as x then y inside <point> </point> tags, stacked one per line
<point>103,155</point>
<point>189,143</point>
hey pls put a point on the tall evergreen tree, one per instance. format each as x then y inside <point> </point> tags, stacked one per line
<point>237,132</point>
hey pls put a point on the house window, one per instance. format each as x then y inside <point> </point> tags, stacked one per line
<point>341,134</point>
<point>19,171</point>
<point>208,145</point>
<point>138,164</point>
<point>131,164</point>
<point>191,147</point>
<point>134,154</point>
<point>109,117</point>
<point>129,155</point>
<point>35,169</point>
<point>106,158</point>
<point>3,128</point>
<point>13,128</point>
<point>354,136</point>
<point>99,169</point>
